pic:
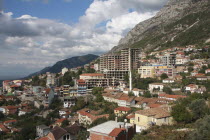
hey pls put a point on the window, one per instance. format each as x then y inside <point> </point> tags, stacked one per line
<point>138,119</point>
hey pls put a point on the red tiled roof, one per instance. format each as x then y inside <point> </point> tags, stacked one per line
<point>130,116</point>
<point>123,108</point>
<point>60,120</point>
<point>44,138</point>
<point>11,107</point>
<point>115,132</point>
<point>47,91</point>
<point>10,121</point>
<point>92,74</point>
<point>3,128</point>
<point>14,86</point>
<point>154,105</point>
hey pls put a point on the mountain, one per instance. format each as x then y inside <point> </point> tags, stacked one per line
<point>178,23</point>
<point>68,63</point>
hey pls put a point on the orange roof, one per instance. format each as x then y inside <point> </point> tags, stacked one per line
<point>200,74</point>
<point>130,116</point>
<point>61,120</point>
<point>10,121</point>
<point>11,107</point>
<point>154,105</point>
<point>92,74</point>
<point>115,132</point>
<point>125,98</point>
<point>123,108</point>
<point>172,96</point>
<point>47,90</point>
<point>80,81</point>
<point>44,138</point>
<point>13,86</point>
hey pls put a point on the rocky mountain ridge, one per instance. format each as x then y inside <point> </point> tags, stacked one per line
<point>154,32</point>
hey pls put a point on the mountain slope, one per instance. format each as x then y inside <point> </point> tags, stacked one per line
<point>178,23</point>
<point>68,63</point>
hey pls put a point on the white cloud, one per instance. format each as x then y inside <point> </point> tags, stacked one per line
<point>31,41</point>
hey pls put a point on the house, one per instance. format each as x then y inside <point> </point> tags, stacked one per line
<point>171,97</point>
<point>207,71</point>
<point>155,87</point>
<point>126,101</point>
<point>87,116</point>
<point>112,130</point>
<point>37,104</point>
<point>9,109</point>
<point>137,92</point>
<point>168,81</point>
<point>4,129</point>
<point>201,78</point>
<point>24,111</point>
<point>193,73</point>
<point>9,123</point>
<point>131,118</point>
<point>68,102</point>
<point>42,130</point>
<point>153,116</point>
<point>59,133</point>
<point>64,113</point>
<point>191,88</point>
<point>60,121</point>
<point>120,111</point>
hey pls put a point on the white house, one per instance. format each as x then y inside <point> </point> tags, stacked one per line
<point>168,80</point>
<point>156,86</point>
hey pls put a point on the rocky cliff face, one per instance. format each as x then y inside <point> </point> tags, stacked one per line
<point>157,27</point>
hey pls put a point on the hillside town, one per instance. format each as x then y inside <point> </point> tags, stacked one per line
<point>117,96</point>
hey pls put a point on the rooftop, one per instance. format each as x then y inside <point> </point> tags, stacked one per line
<point>107,127</point>
<point>160,112</point>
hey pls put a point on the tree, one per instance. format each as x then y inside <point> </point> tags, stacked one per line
<point>147,94</point>
<point>130,94</point>
<point>164,76</point>
<point>98,121</point>
<point>199,108</point>
<point>167,90</point>
<point>1,115</point>
<point>83,135</point>
<point>180,113</point>
<point>65,123</point>
<point>202,129</point>
<point>190,69</point>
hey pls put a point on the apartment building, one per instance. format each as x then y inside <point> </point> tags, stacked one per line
<point>117,64</point>
<point>147,71</point>
<point>168,59</point>
<point>159,70</point>
<point>51,80</point>
<point>97,80</point>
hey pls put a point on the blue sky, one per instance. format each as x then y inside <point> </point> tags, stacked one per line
<point>37,33</point>
<point>64,11</point>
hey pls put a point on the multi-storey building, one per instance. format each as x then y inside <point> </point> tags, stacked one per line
<point>147,71</point>
<point>96,80</point>
<point>51,80</point>
<point>81,87</point>
<point>169,59</point>
<point>164,69</point>
<point>117,65</point>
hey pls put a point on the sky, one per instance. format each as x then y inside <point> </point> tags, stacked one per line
<point>37,33</point>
